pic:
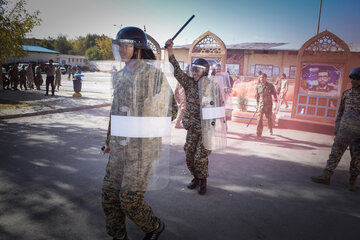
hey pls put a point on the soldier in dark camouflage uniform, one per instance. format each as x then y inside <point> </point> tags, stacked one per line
<point>124,185</point>
<point>263,95</point>
<point>347,134</point>
<point>14,76</point>
<point>196,154</point>
<point>22,74</point>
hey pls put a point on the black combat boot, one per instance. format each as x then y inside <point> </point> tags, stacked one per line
<point>194,183</point>
<point>324,178</point>
<point>202,189</point>
<point>154,235</point>
<point>352,183</point>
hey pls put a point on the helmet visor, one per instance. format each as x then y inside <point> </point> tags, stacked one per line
<point>199,69</point>
<point>121,44</point>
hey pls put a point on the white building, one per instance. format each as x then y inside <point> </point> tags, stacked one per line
<point>74,60</point>
<point>39,54</point>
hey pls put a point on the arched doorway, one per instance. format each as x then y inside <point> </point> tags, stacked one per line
<point>210,47</point>
<point>321,77</point>
<point>154,46</point>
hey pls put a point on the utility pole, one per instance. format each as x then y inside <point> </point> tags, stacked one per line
<point>319,17</point>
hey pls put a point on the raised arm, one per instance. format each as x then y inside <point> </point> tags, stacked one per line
<point>182,77</point>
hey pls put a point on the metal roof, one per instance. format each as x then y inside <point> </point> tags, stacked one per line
<point>38,49</point>
<point>354,47</point>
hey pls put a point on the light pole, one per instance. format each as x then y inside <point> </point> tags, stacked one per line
<point>319,17</point>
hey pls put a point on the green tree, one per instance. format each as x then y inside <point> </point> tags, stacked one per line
<point>15,23</point>
<point>104,47</point>
<point>62,45</point>
<point>93,53</point>
<point>47,43</point>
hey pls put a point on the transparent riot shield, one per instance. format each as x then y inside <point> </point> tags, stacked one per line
<point>223,80</point>
<point>213,123</point>
<point>140,126</point>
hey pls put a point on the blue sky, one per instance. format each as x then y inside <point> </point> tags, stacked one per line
<point>234,21</point>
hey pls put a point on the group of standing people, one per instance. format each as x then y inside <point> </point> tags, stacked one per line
<point>30,77</point>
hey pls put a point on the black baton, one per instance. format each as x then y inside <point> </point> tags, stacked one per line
<point>252,117</point>
<point>173,38</point>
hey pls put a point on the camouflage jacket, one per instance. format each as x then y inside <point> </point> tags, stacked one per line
<point>14,74</point>
<point>263,96</point>
<point>141,91</point>
<point>348,117</point>
<point>22,74</point>
<point>133,97</point>
<point>192,112</point>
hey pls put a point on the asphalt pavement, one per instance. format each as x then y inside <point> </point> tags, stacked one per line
<point>51,173</point>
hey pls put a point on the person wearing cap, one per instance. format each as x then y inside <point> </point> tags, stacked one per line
<point>196,154</point>
<point>50,76</point>
<point>347,134</point>
<point>263,95</point>
<point>140,90</point>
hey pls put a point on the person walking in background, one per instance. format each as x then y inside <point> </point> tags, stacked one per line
<point>181,100</point>
<point>22,74</point>
<point>263,95</point>
<point>30,76</point>
<point>57,77</point>
<point>347,134</point>
<point>6,82</point>
<point>50,72</point>
<point>14,76</point>
<point>284,86</point>
<point>69,72</point>
<point>38,78</point>
<point>259,75</point>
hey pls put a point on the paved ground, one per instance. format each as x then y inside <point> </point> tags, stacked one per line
<point>51,174</point>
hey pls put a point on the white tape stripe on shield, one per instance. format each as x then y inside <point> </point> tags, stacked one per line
<point>211,113</point>
<point>140,127</point>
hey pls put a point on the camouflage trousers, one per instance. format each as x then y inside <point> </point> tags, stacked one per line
<point>339,147</point>
<point>196,155</point>
<point>118,205</point>
<point>260,118</point>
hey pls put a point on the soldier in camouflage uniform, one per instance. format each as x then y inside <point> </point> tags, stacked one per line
<point>124,185</point>
<point>22,74</point>
<point>196,154</point>
<point>347,134</point>
<point>38,78</point>
<point>263,95</point>
<point>14,76</point>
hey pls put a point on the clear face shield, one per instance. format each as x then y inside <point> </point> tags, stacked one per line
<point>197,71</point>
<point>140,123</point>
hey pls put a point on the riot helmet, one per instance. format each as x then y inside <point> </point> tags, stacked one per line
<point>200,65</point>
<point>355,74</point>
<point>132,37</point>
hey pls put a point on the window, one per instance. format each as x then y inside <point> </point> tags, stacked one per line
<point>276,71</point>
<point>268,69</point>
<point>233,69</point>
<point>292,72</point>
<point>252,70</point>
